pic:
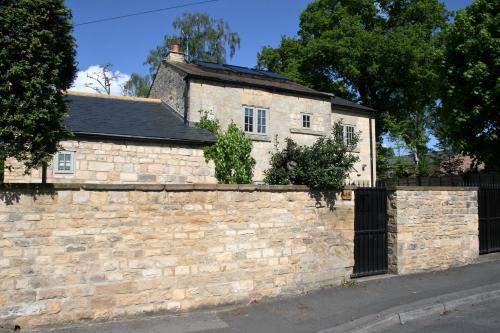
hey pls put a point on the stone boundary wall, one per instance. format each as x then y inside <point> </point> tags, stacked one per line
<point>70,252</point>
<point>432,228</point>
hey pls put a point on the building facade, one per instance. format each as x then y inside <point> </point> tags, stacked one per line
<point>267,106</point>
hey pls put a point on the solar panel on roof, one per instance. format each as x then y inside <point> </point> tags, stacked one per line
<point>243,70</point>
<point>240,69</point>
<point>273,75</point>
<point>210,65</point>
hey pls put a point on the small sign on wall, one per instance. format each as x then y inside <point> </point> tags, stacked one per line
<point>346,194</point>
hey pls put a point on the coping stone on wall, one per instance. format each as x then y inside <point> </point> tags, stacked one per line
<point>432,188</point>
<point>151,187</point>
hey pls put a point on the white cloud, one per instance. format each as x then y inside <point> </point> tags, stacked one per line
<point>96,70</point>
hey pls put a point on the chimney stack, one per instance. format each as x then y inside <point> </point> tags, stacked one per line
<point>175,54</point>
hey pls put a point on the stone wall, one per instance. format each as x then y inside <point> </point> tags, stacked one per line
<point>169,86</point>
<point>122,162</point>
<point>77,252</point>
<point>432,228</point>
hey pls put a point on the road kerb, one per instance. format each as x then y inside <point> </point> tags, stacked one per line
<point>414,311</point>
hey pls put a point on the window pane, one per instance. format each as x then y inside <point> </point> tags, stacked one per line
<point>67,164</point>
<point>60,161</point>
<point>349,134</point>
<point>248,120</point>
<point>306,120</point>
<point>261,121</point>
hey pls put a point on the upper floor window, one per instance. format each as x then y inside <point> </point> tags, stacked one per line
<point>64,162</point>
<point>306,120</point>
<point>349,133</point>
<point>255,120</point>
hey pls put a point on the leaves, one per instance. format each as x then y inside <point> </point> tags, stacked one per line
<point>37,63</point>
<point>231,154</point>
<point>202,38</point>
<point>324,165</point>
<point>381,52</point>
<point>469,117</point>
<point>138,85</point>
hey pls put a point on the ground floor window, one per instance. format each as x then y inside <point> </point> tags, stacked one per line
<point>64,162</point>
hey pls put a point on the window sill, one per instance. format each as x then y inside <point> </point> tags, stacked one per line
<point>354,150</point>
<point>306,131</point>
<point>259,137</point>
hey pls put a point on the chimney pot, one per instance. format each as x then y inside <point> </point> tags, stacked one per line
<point>175,54</point>
<point>176,48</point>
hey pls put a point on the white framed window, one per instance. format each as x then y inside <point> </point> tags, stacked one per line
<point>306,120</point>
<point>348,132</point>
<point>255,120</point>
<point>64,162</point>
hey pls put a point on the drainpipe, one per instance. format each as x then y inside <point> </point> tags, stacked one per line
<point>186,99</point>
<point>371,152</point>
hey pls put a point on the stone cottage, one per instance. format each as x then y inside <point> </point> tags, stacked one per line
<point>155,140</point>
<point>266,105</point>
<point>125,140</point>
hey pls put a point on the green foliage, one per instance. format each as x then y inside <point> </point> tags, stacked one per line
<point>231,154</point>
<point>202,38</point>
<point>324,165</point>
<point>383,52</point>
<point>137,85</point>
<point>385,156</point>
<point>37,63</point>
<point>469,117</point>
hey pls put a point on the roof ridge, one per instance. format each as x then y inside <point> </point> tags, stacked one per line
<point>126,98</point>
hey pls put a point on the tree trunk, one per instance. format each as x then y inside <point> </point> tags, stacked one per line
<point>44,173</point>
<point>2,169</point>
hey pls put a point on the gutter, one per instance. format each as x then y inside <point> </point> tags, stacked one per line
<point>371,151</point>
<point>142,138</point>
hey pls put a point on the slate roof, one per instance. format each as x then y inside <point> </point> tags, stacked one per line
<point>129,118</point>
<point>244,76</point>
<point>349,104</point>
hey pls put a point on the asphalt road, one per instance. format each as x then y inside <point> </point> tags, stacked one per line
<point>481,318</point>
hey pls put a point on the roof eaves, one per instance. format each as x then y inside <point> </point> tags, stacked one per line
<point>143,138</point>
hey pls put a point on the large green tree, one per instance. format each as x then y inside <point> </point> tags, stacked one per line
<point>469,117</point>
<point>37,64</point>
<point>381,52</point>
<point>201,37</point>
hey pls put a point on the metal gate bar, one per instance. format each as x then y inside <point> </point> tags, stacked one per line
<point>370,232</point>
<point>489,220</point>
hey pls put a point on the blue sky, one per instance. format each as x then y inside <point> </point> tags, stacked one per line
<point>125,43</point>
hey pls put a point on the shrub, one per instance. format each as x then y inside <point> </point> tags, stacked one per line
<point>231,153</point>
<point>324,165</point>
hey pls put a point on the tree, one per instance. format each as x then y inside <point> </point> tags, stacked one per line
<point>137,85</point>
<point>37,64</point>
<point>202,37</point>
<point>469,116</point>
<point>231,154</point>
<point>383,52</point>
<point>324,165</point>
<point>102,80</point>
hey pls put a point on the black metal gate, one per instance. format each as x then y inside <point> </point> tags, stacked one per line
<point>370,232</point>
<point>489,220</point>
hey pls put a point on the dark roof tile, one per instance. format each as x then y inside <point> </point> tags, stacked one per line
<point>245,76</point>
<point>130,118</point>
